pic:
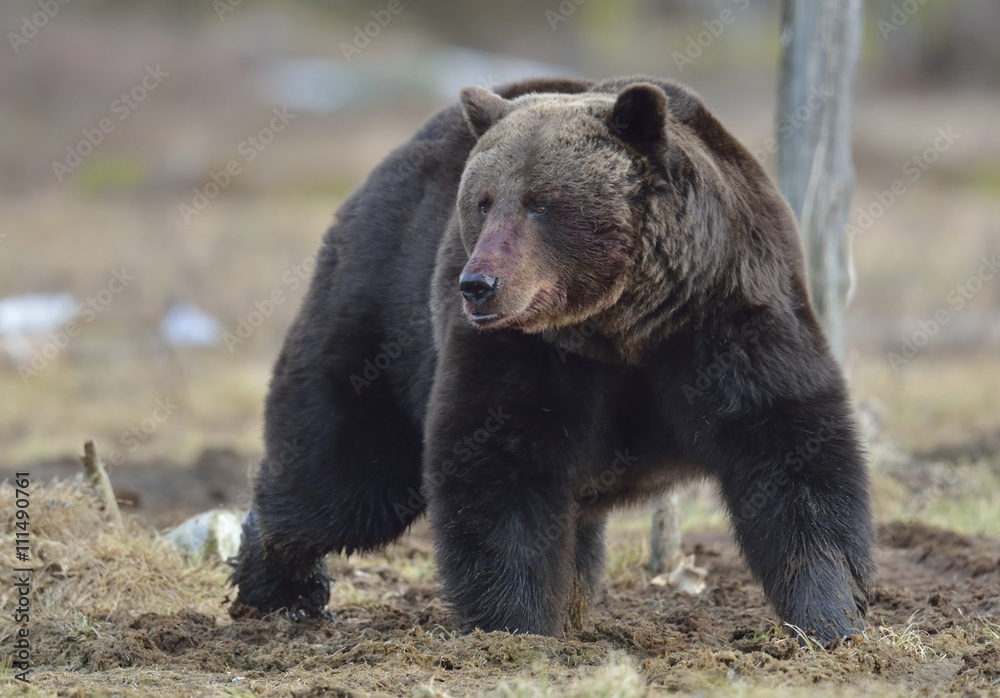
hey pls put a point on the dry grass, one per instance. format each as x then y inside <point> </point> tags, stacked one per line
<point>992,629</point>
<point>616,679</point>
<point>88,574</point>
<point>936,401</point>
<point>911,638</point>
<point>627,560</point>
<point>121,611</point>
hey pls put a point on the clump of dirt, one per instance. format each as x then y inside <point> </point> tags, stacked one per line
<point>985,661</point>
<point>939,571</point>
<point>118,611</point>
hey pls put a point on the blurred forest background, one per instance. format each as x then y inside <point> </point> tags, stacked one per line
<point>141,139</point>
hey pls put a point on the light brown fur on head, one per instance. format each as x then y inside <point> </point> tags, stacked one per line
<point>648,212</point>
<point>549,205</point>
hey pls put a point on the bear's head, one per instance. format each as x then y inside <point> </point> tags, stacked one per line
<point>552,202</point>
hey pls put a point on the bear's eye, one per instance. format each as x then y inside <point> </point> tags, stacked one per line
<point>538,209</point>
<point>484,207</point>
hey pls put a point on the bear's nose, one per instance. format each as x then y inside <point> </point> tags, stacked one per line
<point>478,288</point>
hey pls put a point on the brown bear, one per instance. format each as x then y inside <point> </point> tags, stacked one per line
<point>555,299</point>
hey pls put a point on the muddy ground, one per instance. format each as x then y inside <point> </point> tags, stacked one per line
<point>121,612</point>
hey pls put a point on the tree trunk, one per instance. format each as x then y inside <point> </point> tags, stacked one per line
<point>665,546</point>
<point>820,44</point>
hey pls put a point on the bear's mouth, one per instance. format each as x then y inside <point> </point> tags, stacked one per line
<point>495,321</point>
<point>483,319</point>
<point>530,317</point>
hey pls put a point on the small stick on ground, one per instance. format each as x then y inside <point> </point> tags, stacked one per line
<point>102,483</point>
<point>665,546</point>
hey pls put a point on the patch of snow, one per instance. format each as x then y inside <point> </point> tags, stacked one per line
<point>35,313</point>
<point>186,325</point>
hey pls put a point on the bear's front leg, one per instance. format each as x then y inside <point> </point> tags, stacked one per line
<point>505,436</point>
<point>504,551</point>
<point>795,483</point>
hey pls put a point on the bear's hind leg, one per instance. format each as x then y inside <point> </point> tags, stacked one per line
<point>350,482</point>
<point>270,581</point>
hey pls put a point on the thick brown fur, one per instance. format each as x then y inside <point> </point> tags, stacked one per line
<point>554,300</point>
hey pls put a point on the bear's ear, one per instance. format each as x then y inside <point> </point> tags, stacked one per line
<point>482,108</point>
<point>639,116</point>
